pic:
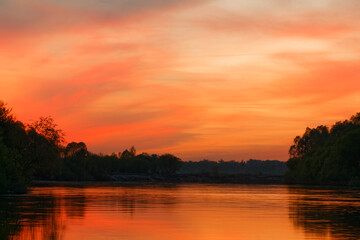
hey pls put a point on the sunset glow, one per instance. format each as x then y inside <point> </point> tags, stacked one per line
<point>200,79</point>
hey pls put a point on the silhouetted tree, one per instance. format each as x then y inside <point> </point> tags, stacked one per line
<point>44,149</point>
<point>312,138</point>
<point>327,157</point>
<point>128,154</point>
<point>15,172</point>
<point>43,155</point>
<point>168,164</point>
<point>6,115</point>
<point>46,127</point>
<point>75,162</point>
<point>76,149</point>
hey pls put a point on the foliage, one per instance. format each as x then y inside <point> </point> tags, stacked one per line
<point>168,164</point>
<point>14,176</point>
<point>25,153</point>
<point>43,156</point>
<point>5,114</point>
<point>75,161</point>
<point>79,164</point>
<point>250,167</point>
<point>321,156</point>
<point>36,151</point>
<point>46,127</point>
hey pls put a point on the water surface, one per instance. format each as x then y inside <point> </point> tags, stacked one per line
<point>189,212</point>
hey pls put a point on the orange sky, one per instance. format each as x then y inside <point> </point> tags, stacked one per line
<point>200,79</point>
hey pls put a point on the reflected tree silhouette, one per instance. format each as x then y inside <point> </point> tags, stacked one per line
<point>45,212</point>
<point>10,219</point>
<point>323,212</point>
<point>75,206</point>
<point>31,217</point>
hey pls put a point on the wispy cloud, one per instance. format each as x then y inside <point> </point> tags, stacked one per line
<point>204,78</point>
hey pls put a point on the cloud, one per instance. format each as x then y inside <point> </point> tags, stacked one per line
<point>315,25</point>
<point>35,15</point>
<point>322,79</point>
<point>218,79</point>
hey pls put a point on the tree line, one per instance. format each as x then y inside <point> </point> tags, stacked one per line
<point>250,167</point>
<point>37,151</point>
<point>325,155</point>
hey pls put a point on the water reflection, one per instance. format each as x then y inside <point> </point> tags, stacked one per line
<point>46,211</point>
<point>192,211</point>
<point>333,213</point>
<point>30,217</point>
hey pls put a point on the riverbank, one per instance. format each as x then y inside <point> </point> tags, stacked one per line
<point>188,178</point>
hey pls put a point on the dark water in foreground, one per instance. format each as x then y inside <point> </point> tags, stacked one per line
<point>186,212</point>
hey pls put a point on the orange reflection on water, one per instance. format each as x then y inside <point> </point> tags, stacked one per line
<point>185,212</point>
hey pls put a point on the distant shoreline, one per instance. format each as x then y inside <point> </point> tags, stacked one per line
<point>188,178</point>
<point>84,184</point>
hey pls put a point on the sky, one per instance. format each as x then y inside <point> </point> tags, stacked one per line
<point>214,79</point>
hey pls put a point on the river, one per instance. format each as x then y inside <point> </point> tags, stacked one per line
<point>181,212</point>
